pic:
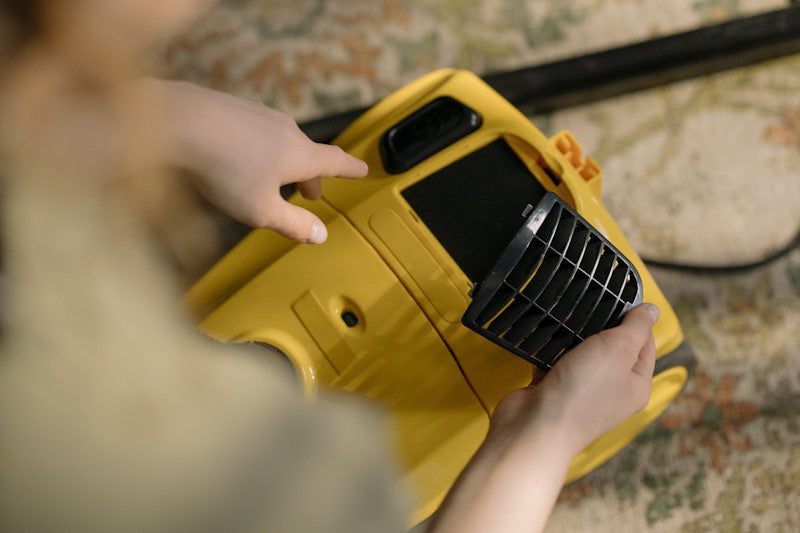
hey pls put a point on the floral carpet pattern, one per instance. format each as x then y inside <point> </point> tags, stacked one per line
<point>703,171</point>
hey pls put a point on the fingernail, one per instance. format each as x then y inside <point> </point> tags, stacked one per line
<point>653,310</point>
<point>366,167</point>
<point>318,233</point>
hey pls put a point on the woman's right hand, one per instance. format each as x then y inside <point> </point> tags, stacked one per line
<point>598,384</point>
<point>513,480</point>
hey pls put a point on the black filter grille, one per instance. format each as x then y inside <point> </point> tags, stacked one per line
<point>558,282</point>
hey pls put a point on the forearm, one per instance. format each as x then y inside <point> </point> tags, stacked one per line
<point>511,484</point>
<point>187,132</point>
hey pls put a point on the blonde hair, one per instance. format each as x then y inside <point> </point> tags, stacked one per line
<point>73,65</point>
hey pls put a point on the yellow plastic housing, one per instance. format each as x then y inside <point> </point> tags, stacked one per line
<point>381,265</point>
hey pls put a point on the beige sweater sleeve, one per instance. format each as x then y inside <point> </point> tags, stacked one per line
<point>116,416</point>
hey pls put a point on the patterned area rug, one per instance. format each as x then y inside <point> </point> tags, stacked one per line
<point>703,171</point>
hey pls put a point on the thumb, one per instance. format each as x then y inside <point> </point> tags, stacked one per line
<point>298,224</point>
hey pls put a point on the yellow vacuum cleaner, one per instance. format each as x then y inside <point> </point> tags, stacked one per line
<point>473,256</point>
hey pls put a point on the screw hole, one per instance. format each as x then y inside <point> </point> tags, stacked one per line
<point>350,319</point>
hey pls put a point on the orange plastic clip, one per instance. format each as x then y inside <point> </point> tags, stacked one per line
<point>588,169</point>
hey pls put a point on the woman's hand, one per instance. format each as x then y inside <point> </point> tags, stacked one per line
<point>594,387</point>
<point>512,482</point>
<point>241,152</point>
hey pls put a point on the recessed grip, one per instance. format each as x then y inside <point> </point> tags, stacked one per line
<point>434,126</point>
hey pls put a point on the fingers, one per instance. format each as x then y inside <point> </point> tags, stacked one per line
<point>537,377</point>
<point>311,189</point>
<point>322,160</point>
<point>633,332</point>
<point>332,161</point>
<point>646,361</point>
<point>641,318</point>
<point>642,375</point>
<point>297,223</point>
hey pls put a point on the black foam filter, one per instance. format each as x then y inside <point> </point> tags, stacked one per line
<point>473,205</point>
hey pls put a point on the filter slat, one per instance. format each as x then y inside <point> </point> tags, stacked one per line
<point>510,315</point>
<point>543,275</point>
<point>617,279</point>
<point>604,266</point>
<point>550,351</point>
<point>585,307</point>
<point>591,255</point>
<point>527,265</point>
<point>578,243</point>
<point>558,284</point>
<point>571,296</point>
<point>563,233</point>
<point>500,298</point>
<point>545,231</point>
<point>525,325</point>
<point>600,316</point>
<point>539,336</point>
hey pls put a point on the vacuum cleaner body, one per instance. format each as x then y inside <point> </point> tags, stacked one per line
<point>474,255</point>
